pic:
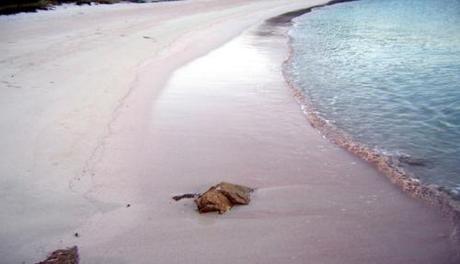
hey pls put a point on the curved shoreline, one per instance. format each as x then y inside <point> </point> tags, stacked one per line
<point>430,194</point>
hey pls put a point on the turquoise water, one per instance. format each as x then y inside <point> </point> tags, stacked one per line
<point>387,73</point>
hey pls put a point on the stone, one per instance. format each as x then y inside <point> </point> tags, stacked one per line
<point>222,197</point>
<point>62,256</point>
<point>237,194</point>
<point>213,200</point>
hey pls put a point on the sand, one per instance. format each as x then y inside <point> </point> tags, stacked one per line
<point>131,104</point>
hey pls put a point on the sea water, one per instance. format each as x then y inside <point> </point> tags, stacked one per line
<point>387,73</point>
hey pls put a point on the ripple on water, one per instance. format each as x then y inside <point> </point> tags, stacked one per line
<point>387,73</point>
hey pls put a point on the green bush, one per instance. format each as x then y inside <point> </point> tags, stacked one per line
<point>16,6</point>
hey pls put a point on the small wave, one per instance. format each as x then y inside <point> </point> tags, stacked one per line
<point>392,164</point>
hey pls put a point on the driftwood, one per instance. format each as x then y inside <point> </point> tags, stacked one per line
<point>185,196</point>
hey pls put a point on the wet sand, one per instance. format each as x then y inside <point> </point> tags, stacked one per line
<point>84,133</point>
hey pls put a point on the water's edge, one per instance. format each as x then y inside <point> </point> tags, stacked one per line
<point>432,195</point>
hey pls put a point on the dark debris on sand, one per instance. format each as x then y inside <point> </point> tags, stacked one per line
<point>62,256</point>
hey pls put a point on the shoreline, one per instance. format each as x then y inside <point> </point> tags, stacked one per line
<point>286,18</point>
<point>427,193</point>
<point>309,193</point>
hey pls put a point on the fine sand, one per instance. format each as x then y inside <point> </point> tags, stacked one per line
<point>107,106</point>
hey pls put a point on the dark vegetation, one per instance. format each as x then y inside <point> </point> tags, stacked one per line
<point>16,6</point>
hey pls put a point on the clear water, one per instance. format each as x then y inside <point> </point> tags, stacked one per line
<point>388,74</point>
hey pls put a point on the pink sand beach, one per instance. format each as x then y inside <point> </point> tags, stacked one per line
<point>105,106</point>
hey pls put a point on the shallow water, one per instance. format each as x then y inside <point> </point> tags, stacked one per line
<point>387,73</point>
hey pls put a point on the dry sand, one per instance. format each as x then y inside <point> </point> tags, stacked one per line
<point>106,106</point>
